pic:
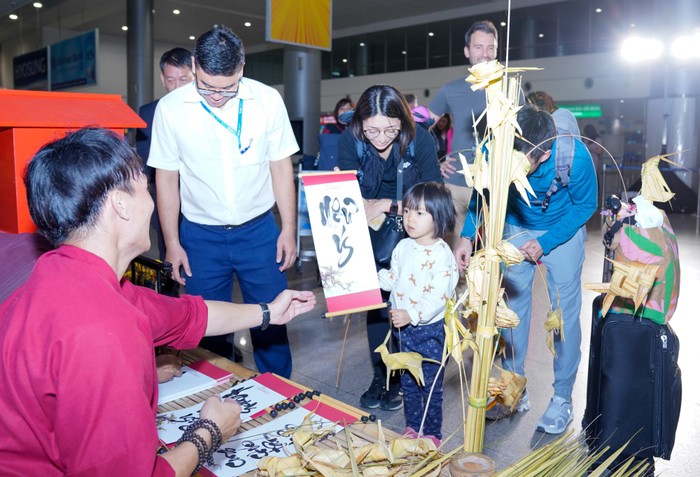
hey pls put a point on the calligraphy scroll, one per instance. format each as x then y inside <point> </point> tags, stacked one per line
<point>342,243</point>
<point>254,396</point>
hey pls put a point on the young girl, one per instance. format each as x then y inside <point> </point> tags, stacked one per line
<point>422,277</point>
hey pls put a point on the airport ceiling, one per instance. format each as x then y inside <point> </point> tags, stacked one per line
<point>197,16</point>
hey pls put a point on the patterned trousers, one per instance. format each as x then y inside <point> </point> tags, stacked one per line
<point>427,340</point>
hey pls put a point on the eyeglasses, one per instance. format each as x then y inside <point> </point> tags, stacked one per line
<point>209,92</point>
<point>389,133</point>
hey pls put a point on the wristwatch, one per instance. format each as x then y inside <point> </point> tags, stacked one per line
<point>265,317</point>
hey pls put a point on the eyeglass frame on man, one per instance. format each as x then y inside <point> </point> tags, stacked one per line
<point>221,92</point>
<point>374,133</point>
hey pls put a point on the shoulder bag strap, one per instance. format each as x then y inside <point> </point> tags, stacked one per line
<point>399,182</point>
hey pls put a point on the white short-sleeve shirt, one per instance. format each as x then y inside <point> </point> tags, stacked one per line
<point>219,185</point>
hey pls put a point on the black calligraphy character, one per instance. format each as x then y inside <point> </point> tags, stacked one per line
<point>242,398</point>
<point>236,391</point>
<point>254,450</point>
<point>232,458</point>
<point>187,419</point>
<point>271,443</point>
<point>341,244</point>
<point>247,405</point>
<point>325,208</point>
<point>349,211</point>
<point>332,211</point>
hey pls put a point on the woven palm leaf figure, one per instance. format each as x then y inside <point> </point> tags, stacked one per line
<point>654,186</point>
<point>410,361</point>
<point>631,280</point>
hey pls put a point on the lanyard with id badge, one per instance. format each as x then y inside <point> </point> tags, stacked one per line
<point>236,132</point>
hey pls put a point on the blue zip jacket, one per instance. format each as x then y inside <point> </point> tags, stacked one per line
<point>569,208</point>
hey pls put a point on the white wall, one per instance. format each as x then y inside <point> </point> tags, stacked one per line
<point>562,77</point>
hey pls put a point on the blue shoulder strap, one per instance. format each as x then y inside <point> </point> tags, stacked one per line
<point>360,149</point>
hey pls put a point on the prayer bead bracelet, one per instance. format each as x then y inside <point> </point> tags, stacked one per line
<point>205,453</point>
<point>201,445</point>
<point>215,432</point>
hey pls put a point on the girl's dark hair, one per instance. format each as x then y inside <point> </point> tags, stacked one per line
<point>68,180</point>
<point>437,201</point>
<point>387,101</point>
<point>219,52</point>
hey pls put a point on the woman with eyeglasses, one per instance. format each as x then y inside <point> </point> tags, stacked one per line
<point>380,138</point>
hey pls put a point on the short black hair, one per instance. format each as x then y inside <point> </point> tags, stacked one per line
<point>437,200</point>
<point>538,132</point>
<point>341,102</point>
<point>387,101</point>
<point>219,52</point>
<point>68,180</point>
<point>484,26</point>
<point>177,57</point>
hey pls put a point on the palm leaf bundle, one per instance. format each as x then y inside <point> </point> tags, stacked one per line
<point>569,456</point>
<point>398,457</point>
<point>485,272</point>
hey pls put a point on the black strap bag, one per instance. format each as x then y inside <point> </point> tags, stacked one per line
<point>391,232</point>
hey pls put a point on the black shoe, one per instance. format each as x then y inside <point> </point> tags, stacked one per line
<point>371,398</point>
<point>391,401</point>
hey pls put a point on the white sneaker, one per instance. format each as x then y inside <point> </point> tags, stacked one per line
<point>524,403</point>
<point>495,411</point>
<point>558,415</point>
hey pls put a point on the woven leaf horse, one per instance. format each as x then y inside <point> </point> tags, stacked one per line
<point>410,361</point>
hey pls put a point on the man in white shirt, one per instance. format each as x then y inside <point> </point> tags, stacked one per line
<point>222,148</point>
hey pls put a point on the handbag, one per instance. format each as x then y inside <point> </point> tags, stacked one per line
<point>391,232</point>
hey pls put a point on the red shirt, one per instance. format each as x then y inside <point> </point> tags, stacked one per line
<point>78,383</point>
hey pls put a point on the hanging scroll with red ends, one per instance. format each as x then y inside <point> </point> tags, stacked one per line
<point>342,243</point>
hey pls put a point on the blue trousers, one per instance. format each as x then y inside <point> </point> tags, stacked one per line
<point>564,265</point>
<point>217,256</point>
<point>427,340</point>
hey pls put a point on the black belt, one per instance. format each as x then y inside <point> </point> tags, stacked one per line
<point>254,219</point>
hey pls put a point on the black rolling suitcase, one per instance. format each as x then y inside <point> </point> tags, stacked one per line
<point>634,386</point>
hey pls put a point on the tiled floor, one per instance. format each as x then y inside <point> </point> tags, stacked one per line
<point>331,355</point>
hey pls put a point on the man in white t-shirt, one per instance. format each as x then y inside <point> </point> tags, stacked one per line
<point>222,148</point>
